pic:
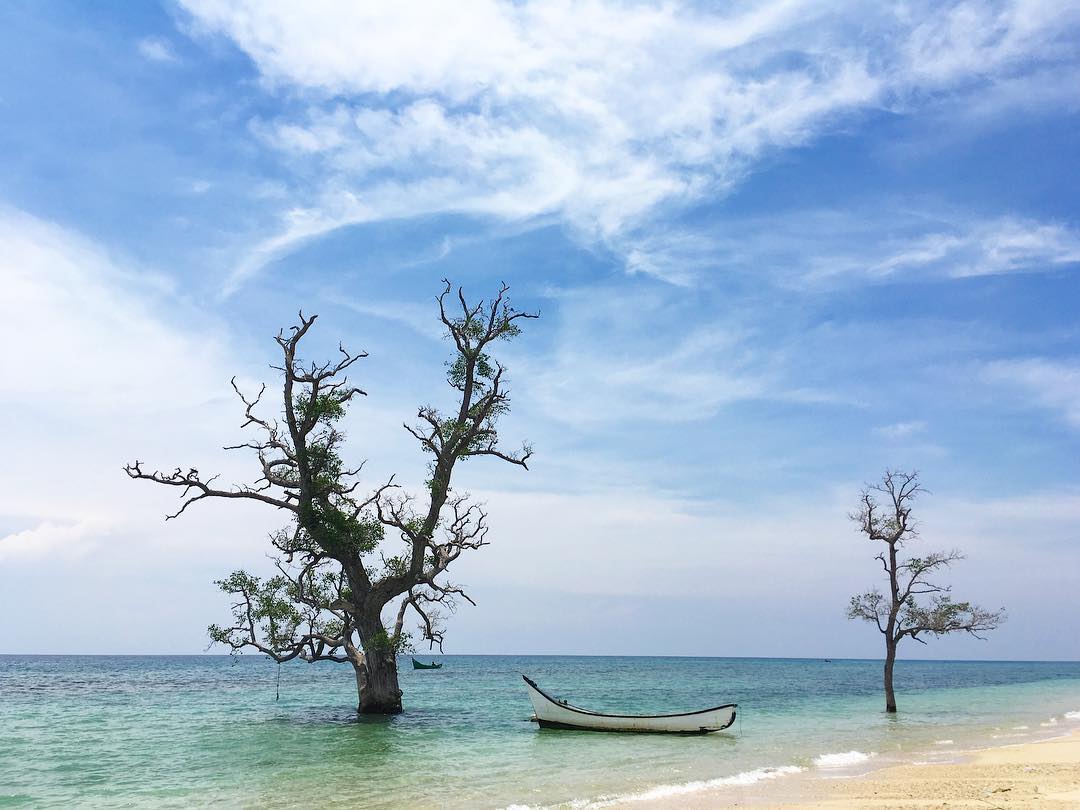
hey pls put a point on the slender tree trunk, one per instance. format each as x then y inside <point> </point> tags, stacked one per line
<point>376,674</point>
<point>890,631</point>
<point>890,661</point>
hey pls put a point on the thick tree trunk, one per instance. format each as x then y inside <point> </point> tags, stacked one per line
<point>890,661</point>
<point>376,674</point>
<point>377,684</point>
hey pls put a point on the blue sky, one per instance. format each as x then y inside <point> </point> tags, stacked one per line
<point>777,248</point>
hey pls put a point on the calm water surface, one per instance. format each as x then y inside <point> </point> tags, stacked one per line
<point>177,731</point>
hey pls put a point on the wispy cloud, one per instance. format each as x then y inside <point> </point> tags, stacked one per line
<point>110,368</point>
<point>446,247</point>
<point>1050,384</point>
<point>301,225</point>
<point>967,41</point>
<point>823,247</point>
<point>416,317</point>
<point>901,430</point>
<point>1005,245</point>
<point>637,355</point>
<point>605,115</point>
<point>93,325</point>
<point>50,540</point>
<point>156,49</point>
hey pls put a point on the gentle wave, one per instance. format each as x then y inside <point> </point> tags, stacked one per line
<point>667,791</point>
<point>943,742</point>
<point>842,760</point>
<point>1072,715</point>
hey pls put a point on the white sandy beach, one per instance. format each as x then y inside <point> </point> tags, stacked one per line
<point>1042,774</point>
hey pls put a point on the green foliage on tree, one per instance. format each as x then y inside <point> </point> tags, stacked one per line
<point>916,604</point>
<point>336,576</point>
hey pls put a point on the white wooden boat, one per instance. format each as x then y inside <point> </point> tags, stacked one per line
<point>553,713</point>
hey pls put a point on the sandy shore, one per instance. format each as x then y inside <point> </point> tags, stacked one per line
<point>1038,775</point>
<point>1044,774</point>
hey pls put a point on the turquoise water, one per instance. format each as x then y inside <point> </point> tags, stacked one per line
<point>160,731</point>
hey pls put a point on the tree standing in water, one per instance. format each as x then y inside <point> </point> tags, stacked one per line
<point>899,613</point>
<point>335,579</point>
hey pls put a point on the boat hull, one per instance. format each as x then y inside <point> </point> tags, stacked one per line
<point>417,665</point>
<point>556,714</point>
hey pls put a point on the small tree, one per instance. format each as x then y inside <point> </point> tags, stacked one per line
<point>335,578</point>
<point>899,613</point>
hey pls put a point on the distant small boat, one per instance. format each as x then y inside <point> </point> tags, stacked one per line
<point>553,713</point>
<point>417,665</point>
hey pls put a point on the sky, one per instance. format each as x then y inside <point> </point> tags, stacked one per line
<point>777,248</point>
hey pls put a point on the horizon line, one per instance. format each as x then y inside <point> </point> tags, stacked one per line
<point>820,658</point>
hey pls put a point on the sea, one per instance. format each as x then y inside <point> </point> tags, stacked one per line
<point>165,731</point>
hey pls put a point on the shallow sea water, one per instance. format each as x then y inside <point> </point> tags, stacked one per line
<point>107,731</point>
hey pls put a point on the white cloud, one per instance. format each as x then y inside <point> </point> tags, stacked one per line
<point>607,367</point>
<point>1043,92</point>
<point>601,550</point>
<point>109,365</point>
<point>109,368</point>
<point>1050,384</point>
<point>623,542</point>
<point>662,541</point>
<point>969,40</point>
<point>678,257</point>
<point>156,50</point>
<point>1005,245</point>
<point>903,244</point>
<point>602,114</point>
<point>901,430</point>
<point>1052,514</point>
<point>48,539</point>
<point>822,247</point>
<point>416,317</point>
<point>94,331</point>
<point>300,226</point>
<point>148,384</point>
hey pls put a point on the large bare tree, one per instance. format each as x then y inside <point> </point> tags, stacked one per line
<point>915,605</point>
<point>336,577</point>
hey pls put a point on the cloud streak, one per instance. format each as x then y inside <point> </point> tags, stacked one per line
<point>1052,384</point>
<point>608,116</point>
<point>155,50</point>
<point>818,248</point>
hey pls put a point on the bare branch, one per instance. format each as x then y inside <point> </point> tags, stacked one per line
<point>327,597</point>
<point>191,481</point>
<point>898,614</point>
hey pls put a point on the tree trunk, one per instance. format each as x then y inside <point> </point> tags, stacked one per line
<point>890,661</point>
<point>376,673</point>
<point>377,684</point>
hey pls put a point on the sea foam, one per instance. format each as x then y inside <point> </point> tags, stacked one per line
<point>842,760</point>
<point>660,792</point>
<point>943,742</point>
<point>1072,715</point>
